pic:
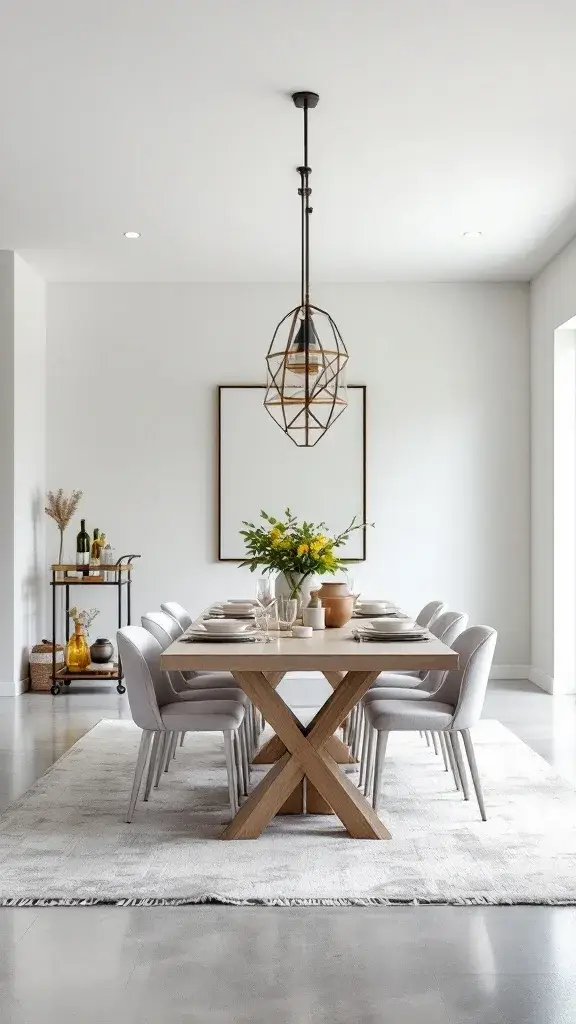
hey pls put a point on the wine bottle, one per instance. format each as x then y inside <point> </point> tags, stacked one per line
<point>95,553</point>
<point>83,549</point>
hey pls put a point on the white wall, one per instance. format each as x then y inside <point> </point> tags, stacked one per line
<point>553,303</point>
<point>29,462</point>
<point>22,467</point>
<point>132,371</point>
<point>6,466</point>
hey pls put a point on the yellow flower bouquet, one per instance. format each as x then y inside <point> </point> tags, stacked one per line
<point>298,550</point>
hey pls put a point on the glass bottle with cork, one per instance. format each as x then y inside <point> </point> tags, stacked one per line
<point>83,549</point>
<point>95,551</point>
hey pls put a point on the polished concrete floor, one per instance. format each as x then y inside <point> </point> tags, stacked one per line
<point>215,965</point>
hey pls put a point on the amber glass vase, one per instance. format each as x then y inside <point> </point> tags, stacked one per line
<point>77,651</point>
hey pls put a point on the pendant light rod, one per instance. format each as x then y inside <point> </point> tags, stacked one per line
<point>305,101</point>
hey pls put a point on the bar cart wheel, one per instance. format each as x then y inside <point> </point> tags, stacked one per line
<point>120,688</point>
<point>55,689</point>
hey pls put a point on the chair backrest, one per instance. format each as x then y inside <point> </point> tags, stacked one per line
<point>429,613</point>
<point>163,627</point>
<point>178,612</point>
<point>446,627</point>
<point>465,687</point>
<point>146,684</point>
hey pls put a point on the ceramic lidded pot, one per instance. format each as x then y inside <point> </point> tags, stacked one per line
<point>101,651</point>
<point>338,604</point>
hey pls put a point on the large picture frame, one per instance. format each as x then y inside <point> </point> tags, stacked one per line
<point>259,467</point>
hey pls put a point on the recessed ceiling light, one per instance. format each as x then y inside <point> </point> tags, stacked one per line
<point>131,234</point>
<point>471,234</point>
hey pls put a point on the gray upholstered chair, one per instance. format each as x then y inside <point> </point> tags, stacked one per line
<point>159,715</point>
<point>429,613</point>
<point>446,628</point>
<point>166,629</point>
<point>208,686</point>
<point>177,612</point>
<point>453,709</point>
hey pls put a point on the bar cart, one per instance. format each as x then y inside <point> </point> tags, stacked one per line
<point>117,574</point>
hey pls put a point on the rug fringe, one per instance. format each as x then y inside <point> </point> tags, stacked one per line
<point>215,899</point>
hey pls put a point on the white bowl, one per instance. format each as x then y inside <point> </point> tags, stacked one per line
<point>389,625</point>
<point>224,626</point>
<point>375,607</point>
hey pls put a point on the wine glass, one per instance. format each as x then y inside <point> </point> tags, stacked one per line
<point>287,612</point>
<point>266,598</point>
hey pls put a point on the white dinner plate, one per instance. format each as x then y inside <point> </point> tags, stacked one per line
<point>223,638</point>
<point>416,631</point>
<point>390,637</point>
<point>203,634</point>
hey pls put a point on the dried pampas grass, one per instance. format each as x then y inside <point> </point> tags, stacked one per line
<point>61,508</point>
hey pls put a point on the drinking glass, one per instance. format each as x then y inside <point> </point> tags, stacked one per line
<point>287,612</point>
<point>266,600</point>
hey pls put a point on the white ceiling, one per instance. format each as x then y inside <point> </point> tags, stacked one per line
<point>172,117</point>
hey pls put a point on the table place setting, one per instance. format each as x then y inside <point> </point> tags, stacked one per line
<point>377,607</point>
<point>390,628</point>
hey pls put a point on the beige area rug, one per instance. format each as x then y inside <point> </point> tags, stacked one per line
<point>65,841</point>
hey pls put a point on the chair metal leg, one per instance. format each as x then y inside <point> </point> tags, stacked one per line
<point>152,764</point>
<point>239,767</point>
<point>244,746</point>
<point>364,755</point>
<point>252,730</point>
<point>453,765</point>
<point>378,766</point>
<point>369,759</point>
<point>435,743</point>
<point>360,731</point>
<point>354,725</point>
<point>145,741</point>
<point>229,753</point>
<point>170,749</point>
<point>427,738</point>
<point>469,748</point>
<point>161,757</point>
<point>182,735</point>
<point>442,741</point>
<point>453,736</point>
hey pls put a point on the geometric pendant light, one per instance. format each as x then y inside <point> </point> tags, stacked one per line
<point>306,390</point>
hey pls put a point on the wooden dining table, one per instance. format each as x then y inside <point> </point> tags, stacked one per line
<point>310,752</point>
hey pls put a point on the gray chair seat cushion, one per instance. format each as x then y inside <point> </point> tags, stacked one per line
<point>391,693</point>
<point>216,693</point>
<point>408,715</point>
<point>206,679</point>
<point>404,678</point>
<point>202,715</point>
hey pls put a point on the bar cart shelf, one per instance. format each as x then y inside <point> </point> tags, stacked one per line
<point>121,571</point>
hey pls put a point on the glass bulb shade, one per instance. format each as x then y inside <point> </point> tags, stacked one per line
<point>306,388</point>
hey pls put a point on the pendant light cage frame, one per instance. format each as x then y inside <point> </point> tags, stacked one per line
<point>307,357</point>
<point>306,390</point>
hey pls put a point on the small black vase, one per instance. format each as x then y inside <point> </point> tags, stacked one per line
<point>101,651</point>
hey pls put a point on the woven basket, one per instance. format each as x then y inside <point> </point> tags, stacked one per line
<point>41,665</point>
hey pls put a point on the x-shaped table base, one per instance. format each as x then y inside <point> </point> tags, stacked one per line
<point>306,756</point>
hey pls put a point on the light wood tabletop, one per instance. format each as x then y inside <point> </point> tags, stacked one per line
<point>307,752</point>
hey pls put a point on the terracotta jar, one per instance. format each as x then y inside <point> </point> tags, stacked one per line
<point>338,603</point>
